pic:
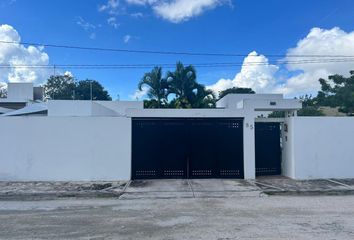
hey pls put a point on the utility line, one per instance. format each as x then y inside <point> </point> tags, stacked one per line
<point>163,52</point>
<point>199,65</point>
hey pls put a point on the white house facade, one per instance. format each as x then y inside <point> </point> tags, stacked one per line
<point>119,140</point>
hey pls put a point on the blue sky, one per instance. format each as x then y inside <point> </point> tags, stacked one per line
<point>238,26</point>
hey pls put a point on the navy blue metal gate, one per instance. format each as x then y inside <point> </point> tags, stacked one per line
<point>268,152</point>
<point>187,148</point>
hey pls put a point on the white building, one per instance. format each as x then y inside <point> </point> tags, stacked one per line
<point>116,140</point>
<point>20,95</point>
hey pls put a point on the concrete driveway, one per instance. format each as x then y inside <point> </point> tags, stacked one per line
<point>190,188</point>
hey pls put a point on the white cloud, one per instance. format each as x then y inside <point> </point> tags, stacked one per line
<point>263,78</point>
<point>319,42</point>
<point>141,2</point>
<point>113,22</point>
<point>140,94</point>
<point>88,27</point>
<point>85,25</point>
<point>137,15</point>
<point>68,73</point>
<point>301,84</point>
<point>179,10</point>
<point>111,7</point>
<point>126,38</point>
<point>17,54</point>
<point>175,11</point>
<point>259,77</point>
<point>182,10</point>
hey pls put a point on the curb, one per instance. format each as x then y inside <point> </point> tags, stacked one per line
<point>311,193</point>
<point>55,196</point>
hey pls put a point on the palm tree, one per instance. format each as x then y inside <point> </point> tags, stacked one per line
<point>182,82</point>
<point>204,98</point>
<point>189,93</point>
<point>157,86</point>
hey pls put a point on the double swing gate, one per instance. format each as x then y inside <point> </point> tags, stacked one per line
<point>200,148</point>
<point>187,148</point>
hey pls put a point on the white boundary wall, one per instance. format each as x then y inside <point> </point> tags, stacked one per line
<point>319,147</point>
<point>65,148</point>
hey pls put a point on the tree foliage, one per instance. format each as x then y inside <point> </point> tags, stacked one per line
<point>3,91</point>
<point>65,87</point>
<point>309,108</point>
<point>235,90</point>
<point>152,103</point>
<point>180,86</point>
<point>158,88</point>
<point>83,90</point>
<point>310,111</point>
<point>337,91</point>
<point>183,84</point>
<point>277,114</point>
<point>60,87</point>
<point>204,98</point>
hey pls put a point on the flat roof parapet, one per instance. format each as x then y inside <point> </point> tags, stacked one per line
<point>259,102</point>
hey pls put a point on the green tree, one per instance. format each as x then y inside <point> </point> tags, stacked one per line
<point>277,114</point>
<point>182,83</point>
<point>235,90</point>
<point>157,85</point>
<point>65,87</point>
<point>83,91</point>
<point>3,91</point>
<point>310,111</point>
<point>337,91</point>
<point>153,103</point>
<point>180,86</point>
<point>308,100</point>
<point>60,87</point>
<point>309,108</point>
<point>204,98</point>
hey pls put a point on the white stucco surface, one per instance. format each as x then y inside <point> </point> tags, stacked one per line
<point>87,108</point>
<point>121,107</point>
<point>319,147</point>
<point>66,108</point>
<point>287,166</point>
<point>65,148</point>
<point>20,91</point>
<point>233,100</point>
<point>91,140</point>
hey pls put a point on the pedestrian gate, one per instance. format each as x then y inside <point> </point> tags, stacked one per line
<point>187,148</point>
<point>268,151</point>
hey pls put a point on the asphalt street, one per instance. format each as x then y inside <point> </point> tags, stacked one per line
<point>148,212</point>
